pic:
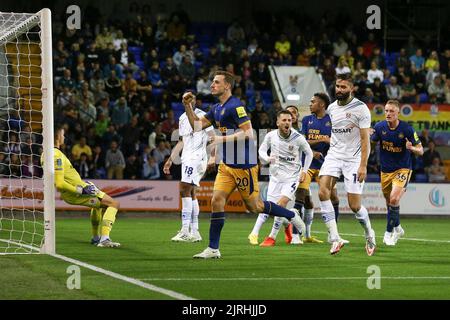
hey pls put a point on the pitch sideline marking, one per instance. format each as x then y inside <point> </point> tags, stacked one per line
<point>294,279</point>
<point>111,274</point>
<point>137,282</point>
<point>409,239</point>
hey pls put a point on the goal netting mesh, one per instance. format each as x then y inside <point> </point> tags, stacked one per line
<point>21,133</point>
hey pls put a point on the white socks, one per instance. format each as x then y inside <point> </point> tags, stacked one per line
<point>363,217</point>
<point>309,215</point>
<point>326,207</point>
<point>262,217</point>
<point>277,222</point>
<point>195,213</point>
<point>186,213</point>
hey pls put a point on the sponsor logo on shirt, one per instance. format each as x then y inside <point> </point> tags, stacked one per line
<point>241,112</point>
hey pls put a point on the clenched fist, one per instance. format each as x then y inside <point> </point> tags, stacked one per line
<point>188,99</point>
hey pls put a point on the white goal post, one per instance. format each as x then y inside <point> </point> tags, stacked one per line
<point>27,199</point>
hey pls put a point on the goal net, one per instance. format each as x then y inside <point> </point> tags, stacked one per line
<point>26,133</point>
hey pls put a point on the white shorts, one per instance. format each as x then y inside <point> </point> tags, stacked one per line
<point>336,168</point>
<point>278,189</point>
<point>193,171</point>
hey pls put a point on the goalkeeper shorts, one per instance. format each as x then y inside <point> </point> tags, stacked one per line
<point>91,201</point>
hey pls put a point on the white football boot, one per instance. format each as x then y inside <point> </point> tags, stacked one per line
<point>370,243</point>
<point>208,253</point>
<point>182,236</point>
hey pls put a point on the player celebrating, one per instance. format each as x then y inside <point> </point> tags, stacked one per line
<point>238,167</point>
<point>194,161</point>
<point>286,148</point>
<point>397,141</point>
<point>348,155</point>
<point>77,192</point>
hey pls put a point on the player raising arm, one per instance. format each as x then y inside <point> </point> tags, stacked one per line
<point>397,141</point>
<point>78,192</point>
<point>194,160</point>
<point>238,166</point>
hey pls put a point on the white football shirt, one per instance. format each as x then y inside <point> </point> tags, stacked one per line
<point>345,143</point>
<point>288,153</point>
<point>194,143</point>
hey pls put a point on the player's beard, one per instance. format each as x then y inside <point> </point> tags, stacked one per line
<point>342,96</point>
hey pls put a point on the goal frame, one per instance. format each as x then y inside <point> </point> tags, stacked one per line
<point>43,17</point>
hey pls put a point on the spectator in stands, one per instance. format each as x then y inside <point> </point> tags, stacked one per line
<point>103,38</point>
<point>187,71</point>
<point>379,91</point>
<point>81,147</point>
<point>92,56</point>
<point>169,70</point>
<point>150,169</point>
<point>176,30</point>
<point>408,91</point>
<point>373,161</point>
<point>66,81</point>
<point>126,58</point>
<point>170,124</point>
<point>360,57</point>
<point>114,162</point>
<point>283,46</point>
<point>98,163</point>
<point>203,85</point>
<point>156,136</point>
<point>369,45</point>
<point>121,113</point>
<point>101,125</point>
<point>437,89</point>
<point>88,113</point>
<point>15,166</point>
<point>342,66</point>
<point>393,90</point>
<point>303,59</point>
<point>430,154</point>
<point>378,58</point>
<point>417,78</point>
<point>374,72</point>
<point>436,171</point>
<point>144,84</point>
<point>328,72</point>
<point>118,39</point>
<point>235,33</point>
<point>402,59</point>
<point>83,166</point>
<point>432,61</point>
<point>63,98</point>
<point>178,56</point>
<point>131,134</point>
<point>176,87</point>
<point>113,66</point>
<point>368,96</point>
<point>132,168</point>
<point>418,60</point>
<point>340,47</point>
<point>4,166</point>
<point>129,86</point>
<point>261,77</point>
<point>447,91</point>
<point>160,152</point>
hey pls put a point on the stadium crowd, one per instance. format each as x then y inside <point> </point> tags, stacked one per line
<point>118,84</point>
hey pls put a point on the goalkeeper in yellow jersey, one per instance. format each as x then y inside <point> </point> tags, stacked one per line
<point>78,192</point>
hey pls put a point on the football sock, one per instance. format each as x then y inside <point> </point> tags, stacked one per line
<point>363,217</point>
<point>309,214</point>
<point>108,220</point>
<point>262,217</point>
<point>329,218</point>
<point>186,213</point>
<point>336,210</point>
<point>276,227</point>
<point>299,206</point>
<point>195,213</point>
<point>397,222</point>
<point>96,217</point>
<point>274,209</point>
<point>392,218</point>
<point>215,228</point>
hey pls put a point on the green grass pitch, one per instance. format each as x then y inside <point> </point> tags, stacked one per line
<point>411,270</point>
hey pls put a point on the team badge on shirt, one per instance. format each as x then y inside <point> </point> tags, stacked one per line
<point>59,162</point>
<point>383,133</point>
<point>348,115</point>
<point>401,135</point>
<point>291,148</point>
<point>241,112</point>
<point>328,124</point>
